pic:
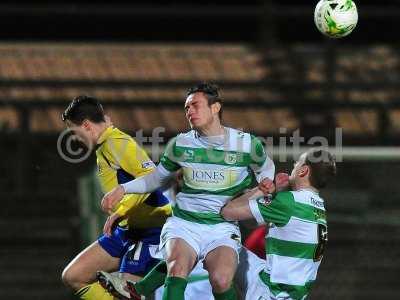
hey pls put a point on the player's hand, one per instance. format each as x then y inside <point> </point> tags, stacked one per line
<point>267,186</point>
<point>282,181</point>
<point>112,198</point>
<point>110,224</point>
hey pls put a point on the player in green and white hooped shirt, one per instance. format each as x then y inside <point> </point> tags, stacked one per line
<point>298,231</point>
<point>218,163</point>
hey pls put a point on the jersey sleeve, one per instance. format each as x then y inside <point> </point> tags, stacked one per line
<point>129,203</point>
<point>126,154</point>
<point>276,211</point>
<point>169,159</point>
<point>262,165</point>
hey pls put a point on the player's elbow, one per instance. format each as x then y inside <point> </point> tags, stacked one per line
<point>228,213</point>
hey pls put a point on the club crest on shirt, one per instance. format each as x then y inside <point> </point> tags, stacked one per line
<point>230,158</point>
<point>265,200</point>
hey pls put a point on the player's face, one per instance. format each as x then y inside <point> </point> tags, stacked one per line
<point>81,132</point>
<point>197,110</point>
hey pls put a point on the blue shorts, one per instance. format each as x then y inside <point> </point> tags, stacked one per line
<point>132,246</point>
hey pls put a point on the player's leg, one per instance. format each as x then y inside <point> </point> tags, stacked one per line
<point>221,251</point>
<point>221,264</point>
<point>154,279</point>
<point>104,254</point>
<point>179,246</point>
<point>139,259</point>
<point>80,273</point>
<point>115,284</point>
<point>180,258</point>
<point>198,284</point>
<point>247,279</point>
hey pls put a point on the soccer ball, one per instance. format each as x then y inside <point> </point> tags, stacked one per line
<point>336,18</point>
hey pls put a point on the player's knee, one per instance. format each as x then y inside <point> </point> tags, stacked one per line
<point>69,278</point>
<point>65,277</point>
<point>176,269</point>
<point>220,282</point>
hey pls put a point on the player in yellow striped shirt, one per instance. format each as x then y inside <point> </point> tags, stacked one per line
<point>130,246</point>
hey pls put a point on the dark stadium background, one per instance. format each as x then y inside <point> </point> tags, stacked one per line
<point>275,71</point>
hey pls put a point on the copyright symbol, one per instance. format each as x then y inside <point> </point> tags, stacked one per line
<point>70,147</point>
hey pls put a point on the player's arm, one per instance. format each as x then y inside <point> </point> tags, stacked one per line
<point>262,166</point>
<point>133,159</point>
<point>260,208</point>
<point>144,184</point>
<point>238,209</point>
<point>276,210</point>
<point>126,154</point>
<point>264,209</point>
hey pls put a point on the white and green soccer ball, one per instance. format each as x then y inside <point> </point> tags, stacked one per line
<point>336,18</point>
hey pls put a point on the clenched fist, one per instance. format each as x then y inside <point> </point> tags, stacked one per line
<point>281,181</point>
<point>267,186</point>
<point>112,198</point>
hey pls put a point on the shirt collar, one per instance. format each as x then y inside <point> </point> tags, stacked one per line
<point>106,133</point>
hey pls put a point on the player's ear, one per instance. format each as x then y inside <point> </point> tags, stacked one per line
<point>86,124</point>
<point>304,171</point>
<point>108,120</point>
<point>215,107</point>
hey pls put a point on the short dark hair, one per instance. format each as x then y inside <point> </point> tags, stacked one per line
<point>210,90</point>
<point>322,165</point>
<point>82,108</point>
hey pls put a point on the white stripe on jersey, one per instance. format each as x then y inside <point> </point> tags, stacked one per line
<point>296,230</point>
<point>291,270</point>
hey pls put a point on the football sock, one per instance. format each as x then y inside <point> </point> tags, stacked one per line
<point>93,291</point>
<point>153,280</point>
<point>174,288</point>
<point>227,295</point>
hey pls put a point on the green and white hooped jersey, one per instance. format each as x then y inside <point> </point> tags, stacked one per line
<point>295,242</point>
<point>214,173</point>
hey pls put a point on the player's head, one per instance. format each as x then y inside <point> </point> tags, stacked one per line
<point>203,105</point>
<point>85,115</point>
<point>315,168</point>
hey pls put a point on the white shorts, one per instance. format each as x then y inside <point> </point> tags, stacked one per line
<point>203,238</point>
<point>247,279</point>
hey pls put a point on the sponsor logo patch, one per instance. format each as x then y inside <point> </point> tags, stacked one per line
<point>188,155</point>
<point>148,164</point>
<point>235,237</point>
<point>317,203</point>
<point>209,179</point>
